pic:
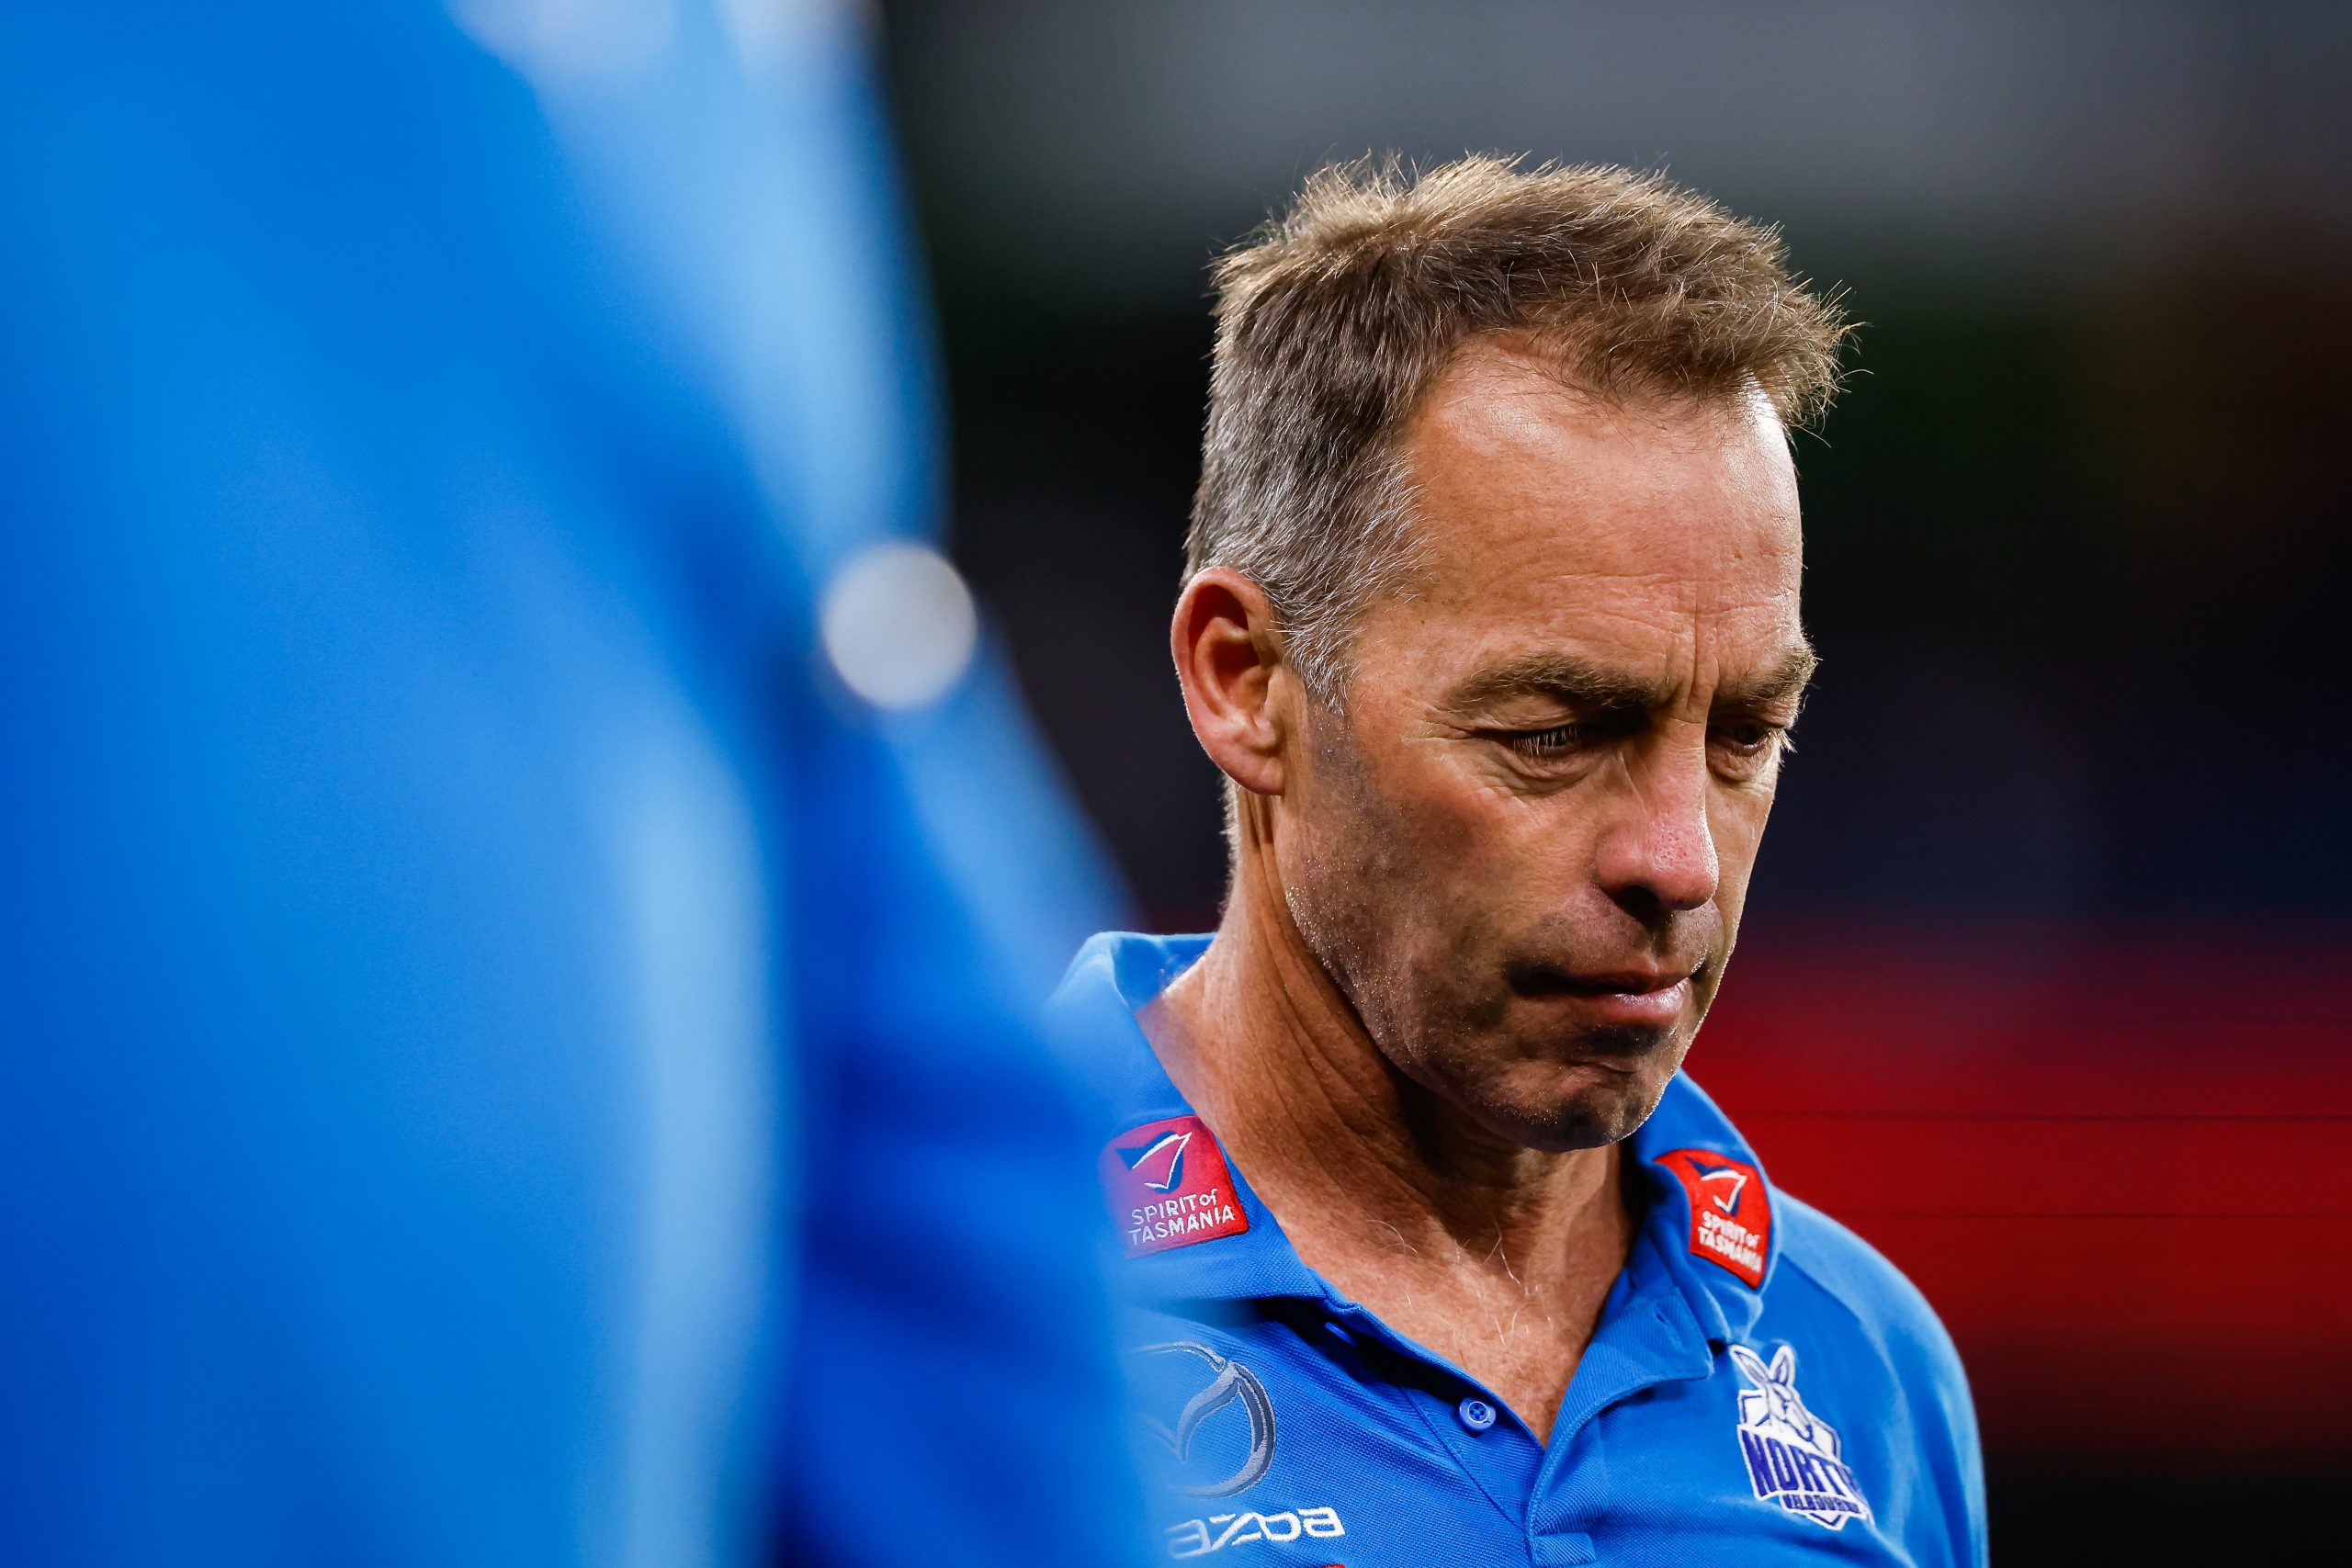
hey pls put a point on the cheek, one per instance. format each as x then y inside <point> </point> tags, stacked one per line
<point>1464,858</point>
<point>1346,857</point>
<point>1392,862</point>
<point>1452,823</point>
<point>1367,805</point>
<point>1737,819</point>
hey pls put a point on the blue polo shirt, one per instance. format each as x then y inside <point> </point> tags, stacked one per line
<point>501,1042</point>
<point>1762,1388</point>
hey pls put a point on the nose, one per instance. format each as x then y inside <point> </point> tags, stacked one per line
<point>1659,857</point>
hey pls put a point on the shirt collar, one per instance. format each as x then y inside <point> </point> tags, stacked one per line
<point>1685,1123</point>
<point>1093,1012</point>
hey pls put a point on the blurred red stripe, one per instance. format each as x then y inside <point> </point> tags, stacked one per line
<point>2120,1166</point>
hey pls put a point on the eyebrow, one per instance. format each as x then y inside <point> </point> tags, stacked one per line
<point>1782,682</point>
<point>1577,683</point>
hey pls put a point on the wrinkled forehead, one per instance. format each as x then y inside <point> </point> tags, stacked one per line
<point>1540,505</point>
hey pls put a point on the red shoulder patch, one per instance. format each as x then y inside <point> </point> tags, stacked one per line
<point>1168,1185</point>
<point>1731,1211</point>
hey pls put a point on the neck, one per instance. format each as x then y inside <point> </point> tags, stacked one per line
<point>1494,1254</point>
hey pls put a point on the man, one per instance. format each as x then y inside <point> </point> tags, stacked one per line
<point>1492,624</point>
<point>509,840</point>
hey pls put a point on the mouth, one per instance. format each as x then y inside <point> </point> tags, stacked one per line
<point>1634,997</point>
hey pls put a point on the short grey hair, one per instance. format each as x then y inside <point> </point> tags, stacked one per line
<point>1334,319</point>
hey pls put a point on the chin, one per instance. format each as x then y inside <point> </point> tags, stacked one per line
<point>1595,1109</point>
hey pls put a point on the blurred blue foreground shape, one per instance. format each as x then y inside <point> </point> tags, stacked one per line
<point>520,904</point>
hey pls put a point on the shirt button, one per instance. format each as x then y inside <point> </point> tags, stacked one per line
<point>1476,1413</point>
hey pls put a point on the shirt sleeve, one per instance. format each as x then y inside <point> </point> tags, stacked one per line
<point>501,1067</point>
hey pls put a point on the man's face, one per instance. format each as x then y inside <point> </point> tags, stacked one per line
<point>1522,849</point>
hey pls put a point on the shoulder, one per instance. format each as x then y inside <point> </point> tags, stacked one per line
<point>1886,1344</point>
<point>1833,1261</point>
<point>1870,1296</point>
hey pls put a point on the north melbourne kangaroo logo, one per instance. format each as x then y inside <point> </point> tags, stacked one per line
<point>1791,1454</point>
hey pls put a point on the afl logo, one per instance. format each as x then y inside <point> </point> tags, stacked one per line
<point>1230,1384</point>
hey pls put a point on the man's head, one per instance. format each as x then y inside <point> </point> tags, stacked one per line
<point>1492,615</point>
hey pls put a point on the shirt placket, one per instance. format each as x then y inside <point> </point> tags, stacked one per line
<point>1647,1336</point>
<point>1487,1443</point>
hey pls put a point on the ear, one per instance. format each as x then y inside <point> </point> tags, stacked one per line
<point>1747,1361</point>
<point>1228,655</point>
<point>1784,1364</point>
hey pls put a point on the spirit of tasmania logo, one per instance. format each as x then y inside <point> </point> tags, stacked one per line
<point>1792,1453</point>
<point>1167,1185</point>
<point>1731,1209</point>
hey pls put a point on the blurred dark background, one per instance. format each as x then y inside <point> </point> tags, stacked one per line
<point>2042,983</point>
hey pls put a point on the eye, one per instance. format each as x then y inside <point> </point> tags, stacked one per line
<point>1747,747</point>
<point>1556,742</point>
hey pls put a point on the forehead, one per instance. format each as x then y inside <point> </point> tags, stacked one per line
<point>1545,515</point>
